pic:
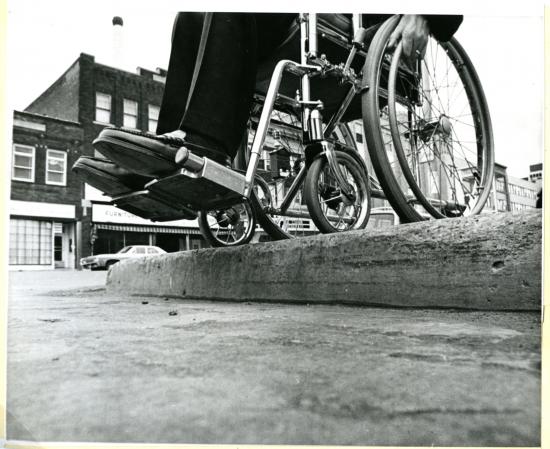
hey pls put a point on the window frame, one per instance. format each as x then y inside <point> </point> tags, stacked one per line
<point>126,114</point>
<point>149,119</point>
<point>37,251</point>
<point>110,110</point>
<point>33,163</point>
<point>53,183</point>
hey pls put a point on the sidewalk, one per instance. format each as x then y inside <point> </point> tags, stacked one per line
<point>483,262</point>
<point>90,366</point>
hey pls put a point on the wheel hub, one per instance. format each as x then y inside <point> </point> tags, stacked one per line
<point>445,126</point>
<point>227,217</point>
<point>427,129</point>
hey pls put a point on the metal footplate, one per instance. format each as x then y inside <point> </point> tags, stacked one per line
<point>201,183</point>
<point>154,207</point>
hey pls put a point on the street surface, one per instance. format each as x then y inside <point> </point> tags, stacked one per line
<point>85,366</point>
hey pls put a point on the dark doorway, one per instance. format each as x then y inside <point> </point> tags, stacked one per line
<point>108,242</point>
<point>58,248</point>
<point>169,242</point>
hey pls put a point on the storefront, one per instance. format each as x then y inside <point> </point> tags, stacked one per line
<point>42,235</point>
<point>113,228</point>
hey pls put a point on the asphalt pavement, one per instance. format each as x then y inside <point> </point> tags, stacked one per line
<point>87,366</point>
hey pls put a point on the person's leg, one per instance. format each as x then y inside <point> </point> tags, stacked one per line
<point>185,42</point>
<point>220,102</point>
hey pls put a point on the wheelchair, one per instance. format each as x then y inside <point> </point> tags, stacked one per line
<point>427,128</point>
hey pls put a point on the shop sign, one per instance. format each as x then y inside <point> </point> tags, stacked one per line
<point>105,213</point>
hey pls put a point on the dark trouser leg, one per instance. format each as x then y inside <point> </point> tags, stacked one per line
<point>220,103</point>
<point>185,41</point>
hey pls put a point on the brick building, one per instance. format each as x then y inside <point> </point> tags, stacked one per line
<point>45,199</point>
<point>57,128</point>
<point>55,219</point>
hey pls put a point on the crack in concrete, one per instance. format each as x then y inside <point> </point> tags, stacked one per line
<point>454,411</point>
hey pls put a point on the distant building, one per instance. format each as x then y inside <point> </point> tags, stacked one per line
<point>45,207</point>
<point>55,218</point>
<point>510,193</point>
<point>523,193</point>
<point>535,174</point>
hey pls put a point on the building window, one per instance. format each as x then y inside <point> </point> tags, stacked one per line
<point>153,118</point>
<point>30,242</point>
<point>266,160</point>
<point>102,108</point>
<point>23,163</point>
<point>358,132</point>
<point>56,167</point>
<point>130,118</point>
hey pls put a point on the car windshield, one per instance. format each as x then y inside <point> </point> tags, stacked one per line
<point>125,249</point>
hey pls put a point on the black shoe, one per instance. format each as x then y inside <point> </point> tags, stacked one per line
<point>148,154</point>
<point>108,177</point>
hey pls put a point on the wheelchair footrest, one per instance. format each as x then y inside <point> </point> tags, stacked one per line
<point>212,187</point>
<point>146,204</point>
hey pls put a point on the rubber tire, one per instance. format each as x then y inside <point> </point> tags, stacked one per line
<point>477,98</point>
<point>269,225</point>
<point>372,126</point>
<point>311,191</point>
<point>211,239</point>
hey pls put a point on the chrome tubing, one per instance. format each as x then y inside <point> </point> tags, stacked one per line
<point>328,149</point>
<point>304,83</point>
<point>312,34</point>
<point>265,117</point>
<point>316,127</point>
<point>357,22</point>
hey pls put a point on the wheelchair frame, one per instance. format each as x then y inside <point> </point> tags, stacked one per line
<point>202,184</point>
<point>209,174</point>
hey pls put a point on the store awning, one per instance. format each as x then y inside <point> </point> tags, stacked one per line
<point>147,229</point>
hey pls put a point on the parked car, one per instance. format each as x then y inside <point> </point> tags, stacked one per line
<point>104,261</point>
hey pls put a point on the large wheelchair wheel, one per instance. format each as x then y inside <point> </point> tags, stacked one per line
<point>428,130</point>
<point>330,209</point>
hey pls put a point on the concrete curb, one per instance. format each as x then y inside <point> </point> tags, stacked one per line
<point>490,262</point>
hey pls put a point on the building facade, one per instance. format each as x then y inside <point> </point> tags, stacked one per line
<point>45,213</point>
<point>510,193</point>
<point>523,193</point>
<point>56,219</point>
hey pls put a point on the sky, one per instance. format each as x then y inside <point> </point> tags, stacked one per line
<point>503,39</point>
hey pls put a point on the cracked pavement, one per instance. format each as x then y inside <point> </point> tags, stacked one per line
<point>87,366</point>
